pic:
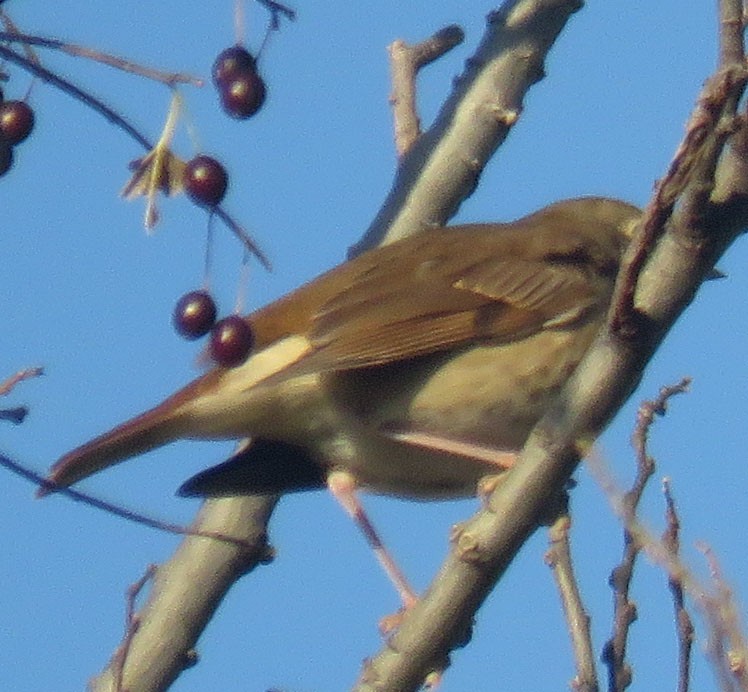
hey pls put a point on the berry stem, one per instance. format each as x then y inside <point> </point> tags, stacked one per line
<point>241,292</point>
<point>243,236</point>
<point>168,78</point>
<point>239,32</point>
<point>76,92</point>
<point>208,252</point>
<point>276,10</point>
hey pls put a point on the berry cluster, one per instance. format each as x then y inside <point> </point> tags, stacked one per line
<point>205,181</point>
<point>16,123</point>
<point>231,338</point>
<point>241,89</point>
<point>242,92</point>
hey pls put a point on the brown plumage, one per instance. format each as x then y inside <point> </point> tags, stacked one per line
<point>412,367</point>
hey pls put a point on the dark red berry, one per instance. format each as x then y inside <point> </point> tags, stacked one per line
<point>232,63</point>
<point>16,121</point>
<point>206,181</point>
<point>6,156</point>
<point>194,314</point>
<point>243,96</point>
<point>231,341</point>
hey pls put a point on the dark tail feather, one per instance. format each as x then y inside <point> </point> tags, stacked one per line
<point>265,466</point>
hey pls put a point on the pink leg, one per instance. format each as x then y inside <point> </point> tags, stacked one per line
<point>502,459</point>
<point>343,487</point>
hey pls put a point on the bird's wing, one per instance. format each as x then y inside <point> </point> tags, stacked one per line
<point>394,313</point>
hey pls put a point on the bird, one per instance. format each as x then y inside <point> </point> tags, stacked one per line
<point>416,369</point>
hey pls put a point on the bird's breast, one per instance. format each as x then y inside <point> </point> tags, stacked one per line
<point>490,394</point>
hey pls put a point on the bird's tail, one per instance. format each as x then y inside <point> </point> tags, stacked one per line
<point>154,428</point>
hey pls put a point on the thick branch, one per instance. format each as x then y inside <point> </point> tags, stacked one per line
<point>690,243</point>
<point>443,167</point>
<point>186,592</point>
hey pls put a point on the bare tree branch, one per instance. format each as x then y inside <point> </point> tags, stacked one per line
<point>185,593</point>
<point>559,559</point>
<point>443,167</point>
<point>726,645</point>
<point>405,62</point>
<point>690,231</point>
<point>683,622</point>
<point>624,609</point>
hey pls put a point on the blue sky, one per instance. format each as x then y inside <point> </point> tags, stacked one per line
<point>89,296</point>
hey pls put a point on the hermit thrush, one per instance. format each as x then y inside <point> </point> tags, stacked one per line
<point>416,369</point>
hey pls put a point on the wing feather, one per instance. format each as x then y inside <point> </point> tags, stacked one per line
<point>385,315</point>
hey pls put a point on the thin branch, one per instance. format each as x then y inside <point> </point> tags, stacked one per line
<point>239,231</point>
<point>17,414</point>
<point>727,644</point>
<point>405,63</point>
<point>558,557</point>
<point>278,10</point>
<point>132,622</point>
<point>110,508</point>
<point>76,92</point>
<point>168,78</point>
<point>7,386</point>
<point>683,622</point>
<point>624,611</point>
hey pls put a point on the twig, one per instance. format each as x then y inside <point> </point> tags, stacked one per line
<point>7,386</point>
<point>131,626</point>
<point>624,610</point>
<point>10,25</point>
<point>727,645</point>
<point>76,92</point>
<point>116,510</point>
<point>17,414</point>
<point>278,10</point>
<point>405,62</point>
<point>684,624</point>
<point>238,230</point>
<point>14,415</point>
<point>168,78</point>
<point>558,557</point>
